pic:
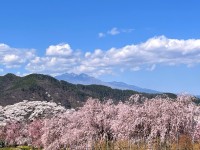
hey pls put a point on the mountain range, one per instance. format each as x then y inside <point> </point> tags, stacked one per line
<point>88,80</point>
<point>39,87</point>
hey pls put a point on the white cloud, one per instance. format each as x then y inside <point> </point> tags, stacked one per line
<point>9,58</point>
<point>14,57</point>
<point>135,57</point>
<point>136,68</point>
<point>113,31</point>
<point>18,73</point>
<point>59,58</point>
<point>101,35</point>
<point>59,50</point>
<point>153,67</point>
<point>156,50</point>
<point>51,64</point>
<point>77,63</point>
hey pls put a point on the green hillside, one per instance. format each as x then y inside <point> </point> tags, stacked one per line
<point>46,88</point>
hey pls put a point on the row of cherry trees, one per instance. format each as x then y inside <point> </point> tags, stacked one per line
<point>165,119</point>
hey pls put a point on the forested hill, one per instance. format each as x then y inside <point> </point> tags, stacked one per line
<point>40,87</point>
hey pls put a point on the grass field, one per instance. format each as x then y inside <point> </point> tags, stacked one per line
<point>18,148</point>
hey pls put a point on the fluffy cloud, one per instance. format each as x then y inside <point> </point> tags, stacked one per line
<point>9,58</point>
<point>135,57</point>
<point>62,58</point>
<point>52,65</point>
<point>60,62</point>
<point>59,50</point>
<point>14,57</point>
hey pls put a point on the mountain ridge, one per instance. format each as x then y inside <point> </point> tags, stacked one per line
<point>79,79</point>
<point>88,80</point>
<point>39,87</point>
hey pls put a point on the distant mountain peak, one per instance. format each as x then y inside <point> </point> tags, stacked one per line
<point>79,79</point>
<point>88,80</point>
<point>85,75</point>
<point>75,75</point>
<point>72,74</point>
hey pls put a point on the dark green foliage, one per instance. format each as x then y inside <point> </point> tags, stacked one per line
<point>2,144</point>
<point>46,88</point>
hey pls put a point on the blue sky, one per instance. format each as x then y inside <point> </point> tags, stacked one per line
<point>153,44</point>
